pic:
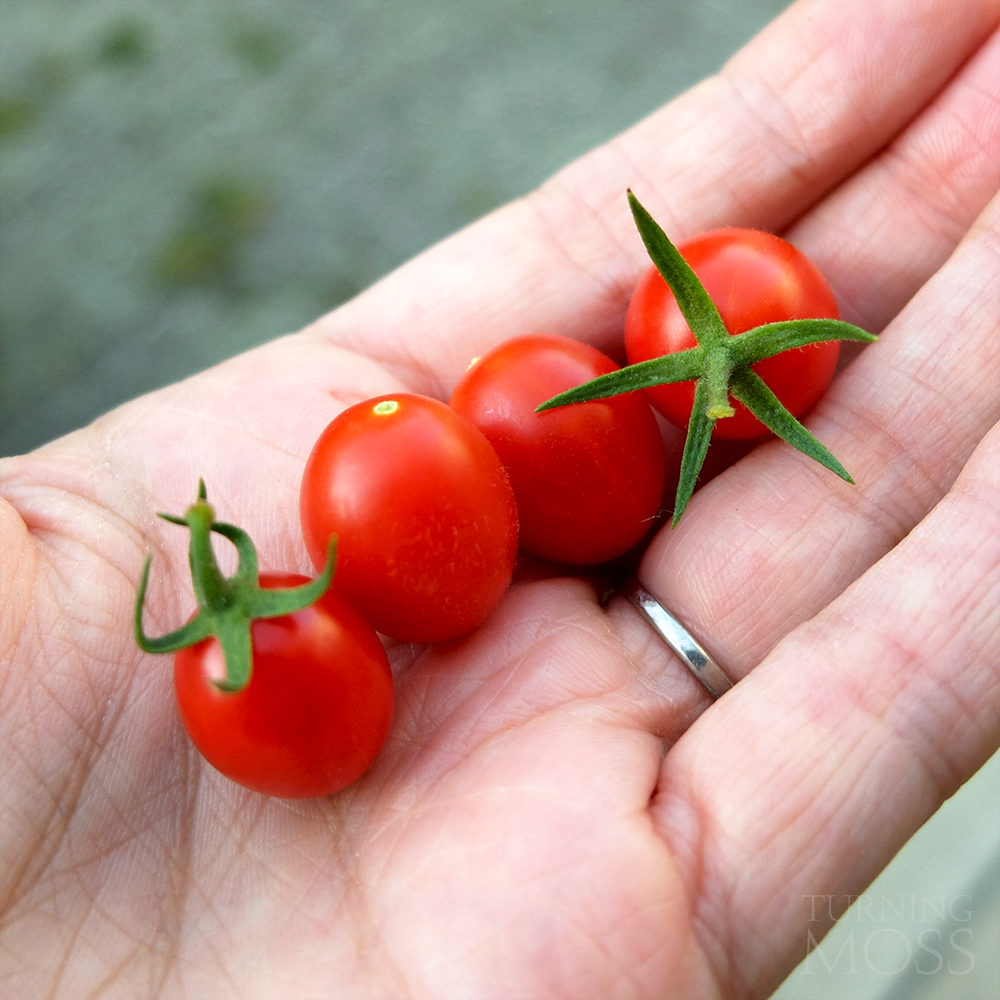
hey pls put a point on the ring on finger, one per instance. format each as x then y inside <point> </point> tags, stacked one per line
<point>692,654</point>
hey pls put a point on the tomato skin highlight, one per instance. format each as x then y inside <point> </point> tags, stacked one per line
<point>753,278</point>
<point>424,513</point>
<point>588,478</point>
<point>315,712</point>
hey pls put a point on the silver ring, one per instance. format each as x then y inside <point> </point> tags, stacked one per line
<point>677,637</point>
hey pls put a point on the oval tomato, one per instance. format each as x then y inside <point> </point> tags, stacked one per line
<point>316,709</point>
<point>423,511</point>
<point>588,478</point>
<point>753,278</point>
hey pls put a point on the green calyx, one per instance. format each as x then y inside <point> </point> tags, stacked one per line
<point>227,606</point>
<point>719,365</point>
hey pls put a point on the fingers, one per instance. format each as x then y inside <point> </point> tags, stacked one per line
<point>773,540</point>
<point>810,100</point>
<point>800,108</point>
<point>886,229</point>
<point>864,719</point>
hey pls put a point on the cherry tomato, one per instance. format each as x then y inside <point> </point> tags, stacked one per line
<point>315,712</point>
<point>588,478</point>
<point>423,511</point>
<point>753,278</point>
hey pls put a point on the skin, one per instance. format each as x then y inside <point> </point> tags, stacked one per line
<point>525,833</point>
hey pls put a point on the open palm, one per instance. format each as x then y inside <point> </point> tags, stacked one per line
<point>555,813</point>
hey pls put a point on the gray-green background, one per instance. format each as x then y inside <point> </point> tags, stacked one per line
<point>183,179</point>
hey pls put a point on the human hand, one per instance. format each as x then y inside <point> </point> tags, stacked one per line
<point>523,833</point>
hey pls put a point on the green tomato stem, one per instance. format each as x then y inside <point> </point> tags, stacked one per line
<point>695,303</point>
<point>227,606</point>
<point>755,394</point>
<point>718,370</point>
<point>720,364</point>
<point>773,338</point>
<point>699,436</point>
<point>685,366</point>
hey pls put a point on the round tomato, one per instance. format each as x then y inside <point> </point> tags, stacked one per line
<point>588,478</point>
<point>753,278</point>
<point>423,512</point>
<point>316,709</point>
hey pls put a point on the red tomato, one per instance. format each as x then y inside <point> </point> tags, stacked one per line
<point>588,478</point>
<point>753,278</point>
<point>315,712</point>
<point>423,511</point>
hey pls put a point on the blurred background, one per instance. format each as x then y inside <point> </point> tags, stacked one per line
<point>183,179</point>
